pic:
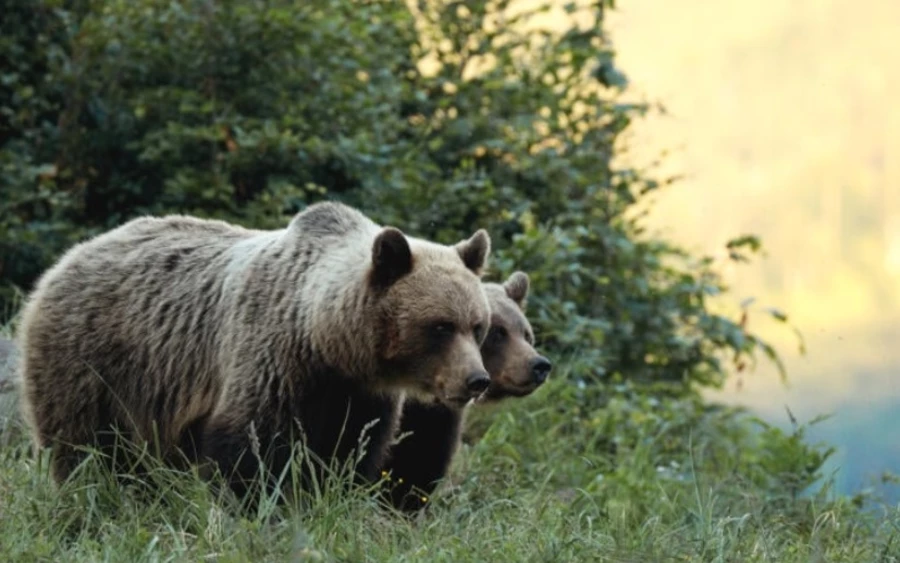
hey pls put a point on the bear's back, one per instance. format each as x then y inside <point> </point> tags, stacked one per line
<point>135,313</point>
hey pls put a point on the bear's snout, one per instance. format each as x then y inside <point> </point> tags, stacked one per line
<point>540,369</point>
<point>477,382</point>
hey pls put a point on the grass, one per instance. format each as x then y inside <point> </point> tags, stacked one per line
<point>553,477</point>
<point>541,483</point>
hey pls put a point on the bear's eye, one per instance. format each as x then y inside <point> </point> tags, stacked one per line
<point>496,335</point>
<point>478,331</point>
<point>529,338</point>
<point>441,329</point>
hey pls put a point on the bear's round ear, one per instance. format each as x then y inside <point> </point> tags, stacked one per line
<point>517,288</point>
<point>474,251</point>
<point>391,257</point>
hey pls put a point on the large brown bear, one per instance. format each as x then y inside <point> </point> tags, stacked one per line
<point>430,431</point>
<point>211,339</point>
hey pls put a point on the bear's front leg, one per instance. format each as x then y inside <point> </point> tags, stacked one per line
<point>249,456</point>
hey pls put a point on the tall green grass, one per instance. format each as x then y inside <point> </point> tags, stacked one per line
<point>543,481</point>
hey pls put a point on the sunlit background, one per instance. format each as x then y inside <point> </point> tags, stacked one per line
<point>783,118</point>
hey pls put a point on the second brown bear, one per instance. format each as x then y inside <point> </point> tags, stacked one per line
<point>423,456</point>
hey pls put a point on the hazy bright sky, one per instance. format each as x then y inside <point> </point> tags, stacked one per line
<point>783,115</point>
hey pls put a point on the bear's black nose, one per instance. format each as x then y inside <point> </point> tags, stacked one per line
<point>477,382</point>
<point>540,369</point>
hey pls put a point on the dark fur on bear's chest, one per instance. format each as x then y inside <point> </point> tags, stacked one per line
<point>329,419</point>
<point>422,458</point>
<point>335,415</point>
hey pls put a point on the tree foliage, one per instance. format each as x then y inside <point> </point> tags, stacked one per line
<point>438,117</point>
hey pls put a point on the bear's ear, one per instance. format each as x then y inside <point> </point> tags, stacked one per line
<point>474,251</point>
<point>391,257</point>
<point>517,288</point>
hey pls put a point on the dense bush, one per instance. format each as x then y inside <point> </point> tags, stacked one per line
<point>437,118</point>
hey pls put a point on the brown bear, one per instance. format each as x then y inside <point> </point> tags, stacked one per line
<point>430,431</point>
<point>209,340</point>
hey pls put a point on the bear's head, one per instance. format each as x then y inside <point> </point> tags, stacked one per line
<point>434,314</point>
<point>508,352</point>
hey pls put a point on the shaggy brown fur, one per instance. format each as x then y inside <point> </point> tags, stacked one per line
<point>422,458</point>
<point>198,333</point>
